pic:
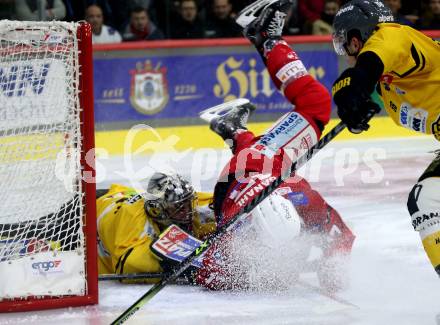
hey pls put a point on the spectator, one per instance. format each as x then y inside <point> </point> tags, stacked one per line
<point>128,6</point>
<point>120,14</point>
<point>188,24</point>
<point>396,6</point>
<point>141,27</point>
<point>291,25</point>
<point>238,5</point>
<point>75,9</point>
<point>28,10</point>
<point>222,23</point>
<point>100,32</point>
<point>323,26</point>
<point>309,12</point>
<point>431,18</point>
<point>7,9</point>
<point>132,4</point>
<point>164,14</point>
<point>412,8</point>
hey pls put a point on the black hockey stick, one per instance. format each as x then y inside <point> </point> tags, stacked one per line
<point>168,278</point>
<point>140,276</point>
<point>130,276</point>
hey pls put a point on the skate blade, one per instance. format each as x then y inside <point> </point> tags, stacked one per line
<point>248,14</point>
<point>216,111</point>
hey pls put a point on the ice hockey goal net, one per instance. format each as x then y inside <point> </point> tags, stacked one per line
<point>47,195</point>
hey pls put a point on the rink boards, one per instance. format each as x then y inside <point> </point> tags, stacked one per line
<point>179,138</point>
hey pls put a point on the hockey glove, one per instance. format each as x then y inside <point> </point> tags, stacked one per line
<point>173,246</point>
<point>351,94</point>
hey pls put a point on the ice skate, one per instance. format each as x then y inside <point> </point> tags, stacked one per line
<point>226,119</point>
<point>263,21</point>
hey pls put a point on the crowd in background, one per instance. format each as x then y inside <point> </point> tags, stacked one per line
<point>132,20</point>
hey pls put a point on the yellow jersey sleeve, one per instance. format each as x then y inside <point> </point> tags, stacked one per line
<point>125,233</point>
<point>392,46</point>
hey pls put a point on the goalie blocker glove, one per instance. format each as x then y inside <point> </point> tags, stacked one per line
<point>173,246</point>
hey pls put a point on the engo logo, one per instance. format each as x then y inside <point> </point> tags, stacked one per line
<point>46,265</point>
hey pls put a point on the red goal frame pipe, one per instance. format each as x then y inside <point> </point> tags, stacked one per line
<point>89,172</point>
<point>84,34</point>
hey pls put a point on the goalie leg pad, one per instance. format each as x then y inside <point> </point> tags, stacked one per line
<point>424,208</point>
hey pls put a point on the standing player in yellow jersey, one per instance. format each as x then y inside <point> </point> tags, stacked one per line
<point>397,68</point>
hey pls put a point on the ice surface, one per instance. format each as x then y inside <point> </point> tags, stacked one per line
<point>391,281</point>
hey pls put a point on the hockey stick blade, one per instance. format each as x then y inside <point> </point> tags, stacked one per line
<point>169,278</point>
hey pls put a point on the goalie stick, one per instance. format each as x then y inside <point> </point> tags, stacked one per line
<point>169,278</point>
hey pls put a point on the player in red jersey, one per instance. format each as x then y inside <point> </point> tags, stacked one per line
<point>259,160</point>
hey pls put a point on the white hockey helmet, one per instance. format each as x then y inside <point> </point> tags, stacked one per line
<point>276,219</point>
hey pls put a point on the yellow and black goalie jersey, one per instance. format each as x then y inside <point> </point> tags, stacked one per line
<point>410,85</point>
<point>125,231</point>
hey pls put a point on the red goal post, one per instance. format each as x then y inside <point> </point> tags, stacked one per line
<point>48,255</point>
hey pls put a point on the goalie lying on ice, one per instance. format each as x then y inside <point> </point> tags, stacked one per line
<point>275,240</point>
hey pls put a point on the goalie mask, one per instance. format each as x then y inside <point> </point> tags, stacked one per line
<point>170,199</point>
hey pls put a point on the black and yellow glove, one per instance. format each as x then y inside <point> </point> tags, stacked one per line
<point>352,95</point>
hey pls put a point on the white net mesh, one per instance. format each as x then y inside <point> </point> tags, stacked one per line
<point>41,199</point>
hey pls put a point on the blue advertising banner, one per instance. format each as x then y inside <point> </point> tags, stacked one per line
<point>164,87</point>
